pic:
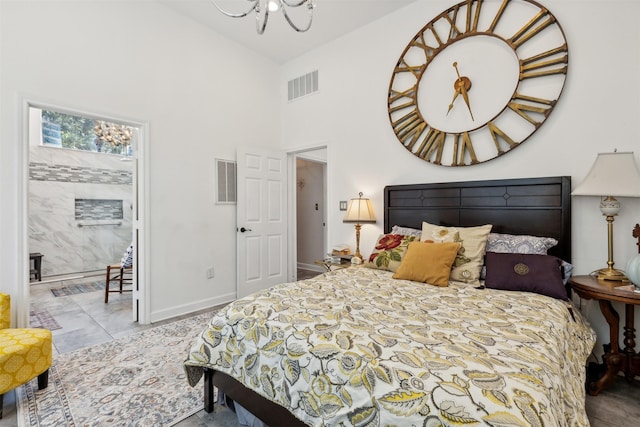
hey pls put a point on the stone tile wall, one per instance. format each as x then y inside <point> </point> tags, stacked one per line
<point>80,209</point>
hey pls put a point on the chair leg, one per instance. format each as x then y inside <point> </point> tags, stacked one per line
<point>106,285</point>
<point>43,380</point>
<point>1,404</point>
<point>121,278</point>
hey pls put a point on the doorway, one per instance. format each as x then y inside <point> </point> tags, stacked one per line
<point>311,211</point>
<point>84,204</point>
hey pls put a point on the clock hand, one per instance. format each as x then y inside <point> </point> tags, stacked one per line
<point>465,95</point>
<point>463,84</point>
<point>455,95</point>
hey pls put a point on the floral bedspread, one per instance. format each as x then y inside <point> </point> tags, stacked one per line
<point>355,347</point>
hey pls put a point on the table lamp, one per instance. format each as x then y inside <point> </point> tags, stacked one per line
<point>359,211</point>
<point>612,174</point>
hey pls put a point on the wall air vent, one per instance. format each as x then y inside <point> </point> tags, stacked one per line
<point>226,181</point>
<point>303,85</point>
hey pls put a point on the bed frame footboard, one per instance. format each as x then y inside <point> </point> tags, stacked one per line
<point>208,390</point>
<point>269,412</point>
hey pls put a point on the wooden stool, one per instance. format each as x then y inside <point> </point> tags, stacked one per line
<point>123,275</point>
<point>36,257</point>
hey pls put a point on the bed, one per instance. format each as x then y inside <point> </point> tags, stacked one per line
<point>358,347</point>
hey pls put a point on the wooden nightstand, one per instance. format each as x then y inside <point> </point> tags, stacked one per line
<point>615,358</point>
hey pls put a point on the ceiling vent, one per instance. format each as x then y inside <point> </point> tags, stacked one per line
<point>303,85</point>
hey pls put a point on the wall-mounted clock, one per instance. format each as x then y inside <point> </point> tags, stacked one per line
<point>477,81</point>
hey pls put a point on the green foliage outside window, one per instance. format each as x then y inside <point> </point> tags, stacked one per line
<point>83,133</point>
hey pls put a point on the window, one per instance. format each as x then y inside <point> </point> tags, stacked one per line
<point>83,133</point>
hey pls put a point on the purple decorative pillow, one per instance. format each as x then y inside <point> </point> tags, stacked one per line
<point>525,272</point>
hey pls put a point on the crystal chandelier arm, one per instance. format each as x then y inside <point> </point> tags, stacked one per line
<point>260,27</point>
<point>310,7</point>
<point>296,4</point>
<point>255,6</point>
<point>261,20</point>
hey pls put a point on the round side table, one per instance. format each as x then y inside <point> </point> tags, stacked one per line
<point>615,358</point>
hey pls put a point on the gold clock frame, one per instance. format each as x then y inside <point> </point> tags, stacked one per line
<point>464,21</point>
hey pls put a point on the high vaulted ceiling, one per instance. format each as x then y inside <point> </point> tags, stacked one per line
<point>331,20</point>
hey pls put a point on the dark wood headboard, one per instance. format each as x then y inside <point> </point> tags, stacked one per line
<point>534,206</point>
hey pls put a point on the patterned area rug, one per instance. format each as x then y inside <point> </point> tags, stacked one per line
<point>77,289</point>
<point>136,380</point>
<point>43,319</point>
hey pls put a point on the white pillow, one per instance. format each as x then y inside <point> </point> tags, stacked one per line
<point>470,258</point>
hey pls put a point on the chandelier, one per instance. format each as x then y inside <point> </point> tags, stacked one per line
<point>113,134</point>
<point>262,8</point>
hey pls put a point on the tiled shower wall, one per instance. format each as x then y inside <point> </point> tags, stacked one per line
<point>80,209</point>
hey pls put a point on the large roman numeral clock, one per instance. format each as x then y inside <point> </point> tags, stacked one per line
<point>477,81</point>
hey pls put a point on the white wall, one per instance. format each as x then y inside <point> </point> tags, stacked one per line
<point>201,98</point>
<point>200,94</point>
<point>598,112</point>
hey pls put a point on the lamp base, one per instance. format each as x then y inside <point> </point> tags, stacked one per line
<point>611,274</point>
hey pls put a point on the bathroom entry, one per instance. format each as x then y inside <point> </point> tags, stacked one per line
<point>81,174</point>
<point>311,209</point>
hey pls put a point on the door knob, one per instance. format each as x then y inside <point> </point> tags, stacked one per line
<point>242,230</point>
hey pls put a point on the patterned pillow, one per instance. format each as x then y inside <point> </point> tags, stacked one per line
<point>519,244</point>
<point>525,272</point>
<point>389,251</point>
<point>468,262</point>
<point>406,231</point>
<point>127,258</point>
<point>428,263</point>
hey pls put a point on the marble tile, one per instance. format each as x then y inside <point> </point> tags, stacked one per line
<point>79,330</point>
<point>54,231</point>
<point>221,417</point>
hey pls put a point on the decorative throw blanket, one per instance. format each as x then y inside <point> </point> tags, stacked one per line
<point>355,347</point>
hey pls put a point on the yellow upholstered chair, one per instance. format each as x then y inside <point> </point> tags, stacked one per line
<point>25,353</point>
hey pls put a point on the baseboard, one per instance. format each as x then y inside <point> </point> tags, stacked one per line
<point>312,267</point>
<point>190,308</point>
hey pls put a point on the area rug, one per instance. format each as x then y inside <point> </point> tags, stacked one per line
<point>135,380</point>
<point>43,319</point>
<point>77,289</point>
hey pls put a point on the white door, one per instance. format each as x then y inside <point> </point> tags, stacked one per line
<point>136,223</point>
<point>261,220</point>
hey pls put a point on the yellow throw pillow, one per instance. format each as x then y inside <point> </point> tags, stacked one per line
<point>428,262</point>
<point>468,263</point>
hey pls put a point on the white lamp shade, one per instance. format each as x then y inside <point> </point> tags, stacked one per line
<point>359,210</point>
<point>612,174</point>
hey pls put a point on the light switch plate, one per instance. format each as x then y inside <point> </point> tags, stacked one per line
<point>343,205</point>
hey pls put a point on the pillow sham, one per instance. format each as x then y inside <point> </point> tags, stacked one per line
<point>524,244</point>
<point>567,270</point>
<point>406,231</point>
<point>521,244</point>
<point>127,258</point>
<point>525,272</point>
<point>428,262</point>
<point>473,240</point>
<point>389,251</point>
